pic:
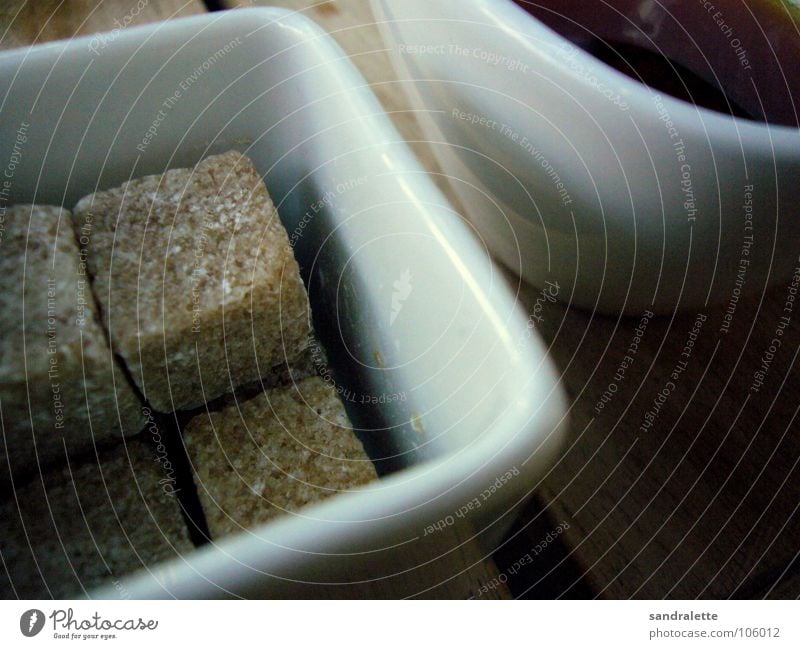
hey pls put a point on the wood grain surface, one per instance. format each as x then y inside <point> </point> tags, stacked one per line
<point>28,22</point>
<point>702,503</point>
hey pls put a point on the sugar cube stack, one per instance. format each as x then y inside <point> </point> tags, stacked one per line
<point>61,390</point>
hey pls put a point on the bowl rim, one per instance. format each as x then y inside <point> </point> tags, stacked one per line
<point>508,15</point>
<point>531,424</point>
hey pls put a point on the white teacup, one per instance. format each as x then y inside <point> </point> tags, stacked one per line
<point>578,176</point>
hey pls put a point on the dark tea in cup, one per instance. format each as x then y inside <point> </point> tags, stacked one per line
<point>738,58</point>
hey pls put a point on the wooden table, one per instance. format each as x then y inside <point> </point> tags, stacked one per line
<point>703,503</point>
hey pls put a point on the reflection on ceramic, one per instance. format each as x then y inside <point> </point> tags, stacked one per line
<point>446,380</point>
<point>576,174</point>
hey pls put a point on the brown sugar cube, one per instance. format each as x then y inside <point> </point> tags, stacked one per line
<point>60,387</point>
<point>196,280</point>
<point>273,454</point>
<point>89,523</point>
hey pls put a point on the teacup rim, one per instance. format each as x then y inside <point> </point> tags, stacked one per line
<point>639,93</point>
